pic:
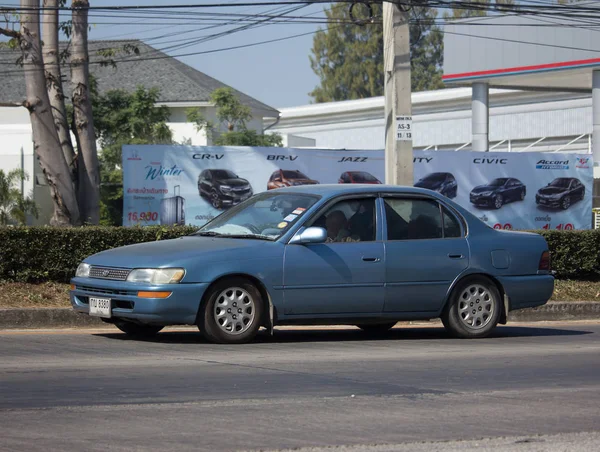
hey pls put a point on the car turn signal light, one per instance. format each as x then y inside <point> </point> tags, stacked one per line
<point>154,294</point>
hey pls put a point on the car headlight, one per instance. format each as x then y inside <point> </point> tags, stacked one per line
<point>83,270</point>
<point>156,275</point>
<point>486,193</point>
<point>225,188</point>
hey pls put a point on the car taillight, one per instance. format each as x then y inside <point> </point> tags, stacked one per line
<point>545,261</point>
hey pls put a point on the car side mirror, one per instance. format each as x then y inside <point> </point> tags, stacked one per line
<point>313,234</point>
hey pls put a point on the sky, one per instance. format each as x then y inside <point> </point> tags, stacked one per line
<point>278,74</point>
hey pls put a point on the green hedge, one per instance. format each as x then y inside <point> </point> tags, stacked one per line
<point>38,254</point>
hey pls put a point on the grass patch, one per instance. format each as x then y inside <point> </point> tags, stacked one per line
<point>56,295</point>
<point>44,295</point>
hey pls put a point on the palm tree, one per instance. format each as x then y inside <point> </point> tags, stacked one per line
<point>14,207</point>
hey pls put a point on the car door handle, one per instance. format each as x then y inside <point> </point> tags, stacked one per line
<point>371,259</point>
<point>456,256</point>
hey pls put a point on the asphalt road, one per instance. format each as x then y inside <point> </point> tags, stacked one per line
<point>78,390</point>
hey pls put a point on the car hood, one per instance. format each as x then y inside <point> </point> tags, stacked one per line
<point>432,185</point>
<point>180,252</point>
<point>233,182</point>
<point>483,188</point>
<point>551,190</point>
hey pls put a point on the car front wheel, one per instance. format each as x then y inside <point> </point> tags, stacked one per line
<point>522,194</point>
<point>498,201</point>
<point>474,308</point>
<point>137,330</point>
<point>565,203</point>
<point>215,199</point>
<point>232,312</point>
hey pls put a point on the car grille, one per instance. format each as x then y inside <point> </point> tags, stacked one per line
<point>97,290</point>
<point>240,190</point>
<point>116,274</point>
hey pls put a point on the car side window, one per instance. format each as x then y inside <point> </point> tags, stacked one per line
<point>451,224</point>
<point>413,219</point>
<point>350,220</point>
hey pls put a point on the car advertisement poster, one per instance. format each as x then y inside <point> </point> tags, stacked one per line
<point>164,184</point>
<point>513,190</point>
<point>173,184</point>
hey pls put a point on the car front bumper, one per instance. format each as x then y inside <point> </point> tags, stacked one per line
<point>180,308</point>
<point>232,200</point>
<point>547,202</point>
<point>481,200</point>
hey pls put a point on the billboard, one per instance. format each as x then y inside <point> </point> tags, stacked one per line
<point>172,184</point>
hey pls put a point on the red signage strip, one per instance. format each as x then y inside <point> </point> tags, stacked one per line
<point>522,69</point>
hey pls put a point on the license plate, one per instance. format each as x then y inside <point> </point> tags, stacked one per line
<point>100,307</point>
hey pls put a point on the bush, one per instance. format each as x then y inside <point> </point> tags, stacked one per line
<point>574,254</point>
<point>38,254</point>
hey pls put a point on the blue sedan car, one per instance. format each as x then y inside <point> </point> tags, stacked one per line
<point>364,255</point>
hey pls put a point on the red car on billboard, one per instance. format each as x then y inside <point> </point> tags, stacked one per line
<point>358,177</point>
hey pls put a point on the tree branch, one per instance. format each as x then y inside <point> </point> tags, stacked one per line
<point>10,33</point>
<point>12,104</point>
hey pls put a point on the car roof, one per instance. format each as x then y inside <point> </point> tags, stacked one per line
<point>342,189</point>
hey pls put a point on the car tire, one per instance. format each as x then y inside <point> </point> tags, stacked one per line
<point>215,199</point>
<point>498,201</point>
<point>565,203</point>
<point>473,309</point>
<point>522,196</point>
<point>218,320</point>
<point>582,195</point>
<point>376,328</point>
<point>138,330</point>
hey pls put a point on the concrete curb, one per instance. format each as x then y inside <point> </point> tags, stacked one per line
<point>67,318</point>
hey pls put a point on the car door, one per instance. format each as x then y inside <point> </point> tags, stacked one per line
<point>344,276</point>
<point>425,250</point>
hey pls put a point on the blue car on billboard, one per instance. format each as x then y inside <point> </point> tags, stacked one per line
<point>355,254</point>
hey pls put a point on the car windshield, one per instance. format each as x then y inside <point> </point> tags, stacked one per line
<point>498,182</point>
<point>294,175</point>
<point>435,177</point>
<point>265,216</point>
<point>363,177</point>
<point>560,182</point>
<point>223,174</point>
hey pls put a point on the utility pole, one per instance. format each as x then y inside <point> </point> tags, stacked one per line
<point>398,104</point>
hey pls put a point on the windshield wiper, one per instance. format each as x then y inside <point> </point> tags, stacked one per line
<point>248,236</point>
<point>208,234</point>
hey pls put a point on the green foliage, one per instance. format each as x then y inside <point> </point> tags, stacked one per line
<point>232,115</point>
<point>248,138</point>
<point>480,8</point>
<point>124,118</point>
<point>39,254</point>
<point>14,207</point>
<point>349,58</point>
<point>574,254</point>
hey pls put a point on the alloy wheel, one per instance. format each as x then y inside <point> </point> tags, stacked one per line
<point>498,201</point>
<point>215,200</point>
<point>234,310</point>
<point>476,307</point>
<point>565,203</point>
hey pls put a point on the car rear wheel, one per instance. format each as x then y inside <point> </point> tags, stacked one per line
<point>522,194</point>
<point>498,201</point>
<point>137,330</point>
<point>582,195</point>
<point>565,203</point>
<point>376,328</point>
<point>474,308</point>
<point>232,313</point>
